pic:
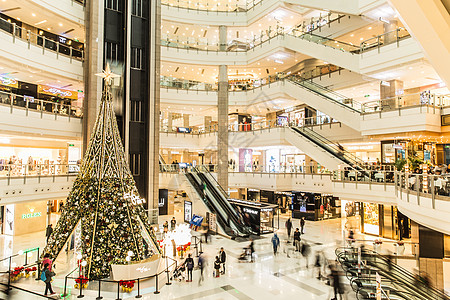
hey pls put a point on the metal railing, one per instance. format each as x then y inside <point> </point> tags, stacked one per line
<point>387,38</point>
<point>385,174</point>
<point>37,170</point>
<point>318,122</point>
<point>45,43</point>
<point>102,282</point>
<point>423,185</point>
<point>15,101</point>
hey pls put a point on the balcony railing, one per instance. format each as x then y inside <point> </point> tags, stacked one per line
<point>45,43</point>
<point>387,38</point>
<point>319,121</point>
<point>44,107</point>
<point>37,170</point>
<point>424,185</point>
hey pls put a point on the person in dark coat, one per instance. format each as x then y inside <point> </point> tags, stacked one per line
<point>48,280</point>
<point>189,263</point>
<point>302,225</point>
<point>217,267</point>
<point>297,239</point>
<point>337,287</point>
<point>48,231</point>
<point>223,259</point>
<point>289,228</point>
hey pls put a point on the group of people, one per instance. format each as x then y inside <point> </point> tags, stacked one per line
<point>219,265</point>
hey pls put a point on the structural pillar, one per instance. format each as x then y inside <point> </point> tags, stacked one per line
<point>154,105</point>
<point>431,253</point>
<point>169,122</point>
<point>389,29</point>
<point>222,38</point>
<point>222,135</point>
<point>388,92</point>
<point>185,120</point>
<point>94,16</point>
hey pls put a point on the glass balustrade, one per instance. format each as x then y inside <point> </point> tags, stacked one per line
<point>60,46</point>
<point>39,105</point>
<point>33,170</point>
<point>424,184</point>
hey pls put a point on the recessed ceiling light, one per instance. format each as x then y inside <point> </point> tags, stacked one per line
<point>60,24</point>
<point>33,14</point>
<point>370,28</point>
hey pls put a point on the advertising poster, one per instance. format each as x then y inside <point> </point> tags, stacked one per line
<point>8,227</point>
<point>163,202</point>
<point>187,211</point>
<point>245,160</point>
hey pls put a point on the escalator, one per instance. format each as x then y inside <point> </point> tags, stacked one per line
<point>327,101</point>
<point>216,200</point>
<point>396,281</point>
<point>321,149</point>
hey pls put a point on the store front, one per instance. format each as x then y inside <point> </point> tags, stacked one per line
<point>259,216</point>
<point>385,221</point>
<point>292,162</point>
<point>297,116</point>
<point>283,200</point>
<point>315,206</point>
<point>240,122</point>
<point>24,218</point>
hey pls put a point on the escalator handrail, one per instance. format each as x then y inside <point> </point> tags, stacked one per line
<point>403,272</point>
<point>325,144</point>
<point>208,202</point>
<point>205,170</point>
<point>230,213</point>
<point>302,83</point>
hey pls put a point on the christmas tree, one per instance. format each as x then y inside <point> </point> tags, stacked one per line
<point>104,198</point>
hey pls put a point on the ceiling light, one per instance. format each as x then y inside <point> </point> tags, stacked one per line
<point>352,35</point>
<point>33,14</point>
<point>370,28</point>
<point>60,24</point>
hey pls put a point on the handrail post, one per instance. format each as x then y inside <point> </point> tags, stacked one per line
<point>156,285</point>
<point>9,275</point>
<point>118,291</point>
<point>99,297</point>
<point>81,289</point>
<point>139,290</point>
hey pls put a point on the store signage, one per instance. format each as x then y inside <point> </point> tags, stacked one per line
<point>163,201</point>
<point>44,89</point>
<point>267,209</point>
<point>289,109</point>
<point>187,211</point>
<point>8,82</point>
<point>62,39</point>
<point>250,211</point>
<point>245,202</point>
<point>385,83</point>
<point>31,215</point>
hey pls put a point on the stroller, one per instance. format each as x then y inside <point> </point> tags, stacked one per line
<point>179,273</point>
<point>245,256</point>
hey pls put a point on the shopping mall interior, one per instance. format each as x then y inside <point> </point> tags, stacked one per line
<point>308,140</point>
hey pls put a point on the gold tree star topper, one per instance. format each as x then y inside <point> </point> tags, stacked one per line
<point>107,75</point>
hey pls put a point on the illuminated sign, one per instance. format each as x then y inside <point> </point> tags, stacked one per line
<point>250,211</point>
<point>385,83</point>
<point>8,81</point>
<point>31,215</point>
<point>56,91</point>
<point>49,90</point>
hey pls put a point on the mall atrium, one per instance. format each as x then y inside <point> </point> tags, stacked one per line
<point>225,149</point>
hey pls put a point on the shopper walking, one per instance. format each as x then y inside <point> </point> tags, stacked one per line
<point>48,231</point>
<point>217,267</point>
<point>251,247</point>
<point>223,259</point>
<point>302,225</point>
<point>189,263</point>
<point>275,243</point>
<point>297,239</point>
<point>201,266</point>
<point>173,223</point>
<point>289,228</point>
<point>337,287</point>
<point>46,276</point>
<point>47,261</point>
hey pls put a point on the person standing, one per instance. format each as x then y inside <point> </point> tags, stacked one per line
<point>201,266</point>
<point>297,240</point>
<point>48,231</point>
<point>217,267</point>
<point>47,261</point>
<point>166,227</point>
<point>173,223</point>
<point>252,250</point>
<point>47,278</point>
<point>189,263</point>
<point>302,225</point>
<point>275,243</point>
<point>336,283</point>
<point>289,228</point>
<point>223,259</point>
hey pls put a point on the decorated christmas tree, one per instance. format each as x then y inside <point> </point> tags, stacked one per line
<point>105,200</point>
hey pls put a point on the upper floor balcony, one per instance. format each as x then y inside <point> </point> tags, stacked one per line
<point>22,114</point>
<point>58,56</point>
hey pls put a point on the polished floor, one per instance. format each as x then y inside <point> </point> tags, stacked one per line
<point>269,277</point>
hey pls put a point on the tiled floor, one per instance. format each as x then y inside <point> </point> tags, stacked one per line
<point>270,277</point>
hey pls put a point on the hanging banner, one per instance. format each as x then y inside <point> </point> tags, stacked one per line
<point>9,82</point>
<point>187,211</point>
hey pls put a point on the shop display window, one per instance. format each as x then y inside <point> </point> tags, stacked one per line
<point>371,218</point>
